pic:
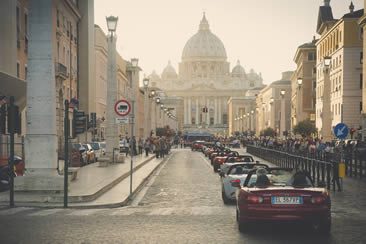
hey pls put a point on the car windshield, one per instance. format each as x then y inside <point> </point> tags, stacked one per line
<point>279,178</point>
<point>243,169</point>
<point>95,146</point>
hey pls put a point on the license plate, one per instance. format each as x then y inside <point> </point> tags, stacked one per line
<point>287,200</point>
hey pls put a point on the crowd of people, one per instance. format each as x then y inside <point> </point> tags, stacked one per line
<point>160,146</point>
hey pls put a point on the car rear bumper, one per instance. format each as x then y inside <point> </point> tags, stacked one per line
<point>283,214</point>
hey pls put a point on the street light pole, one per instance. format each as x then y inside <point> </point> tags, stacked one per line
<point>112,140</point>
<point>326,120</point>
<point>146,108</point>
<point>299,100</point>
<point>283,116</point>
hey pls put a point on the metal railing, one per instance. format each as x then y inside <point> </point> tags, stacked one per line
<point>320,171</point>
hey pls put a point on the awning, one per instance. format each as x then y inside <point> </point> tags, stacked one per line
<point>13,86</point>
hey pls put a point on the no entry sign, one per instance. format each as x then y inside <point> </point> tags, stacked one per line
<point>122,107</point>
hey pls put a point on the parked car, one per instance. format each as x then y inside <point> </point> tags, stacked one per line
<point>97,149</point>
<point>282,194</point>
<point>197,145</point>
<point>236,173</point>
<point>221,158</point>
<point>224,167</point>
<point>78,155</point>
<point>90,154</point>
<point>19,164</point>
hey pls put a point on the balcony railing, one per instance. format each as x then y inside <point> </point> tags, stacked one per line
<point>61,71</point>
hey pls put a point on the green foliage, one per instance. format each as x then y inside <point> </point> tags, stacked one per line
<point>268,132</point>
<point>305,128</point>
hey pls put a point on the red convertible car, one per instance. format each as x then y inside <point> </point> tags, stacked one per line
<point>282,195</point>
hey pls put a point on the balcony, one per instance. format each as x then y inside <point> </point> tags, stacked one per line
<point>61,71</point>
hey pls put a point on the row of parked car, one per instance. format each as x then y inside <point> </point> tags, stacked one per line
<point>86,153</point>
<point>265,193</point>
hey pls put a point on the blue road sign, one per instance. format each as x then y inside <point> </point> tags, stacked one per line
<point>341,131</point>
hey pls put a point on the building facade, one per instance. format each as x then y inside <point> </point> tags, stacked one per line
<point>303,84</point>
<point>362,22</point>
<point>272,108</point>
<point>205,81</point>
<point>339,84</point>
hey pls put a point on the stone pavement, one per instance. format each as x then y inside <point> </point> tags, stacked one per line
<point>94,185</point>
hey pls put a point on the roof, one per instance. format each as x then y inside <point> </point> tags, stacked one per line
<point>325,15</point>
<point>281,82</point>
<point>355,14</point>
<point>308,45</point>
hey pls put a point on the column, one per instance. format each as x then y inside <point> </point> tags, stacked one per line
<point>208,111</point>
<point>185,119</point>
<point>189,111</point>
<point>219,111</point>
<point>197,112</point>
<point>327,114</point>
<point>41,137</point>
<point>215,116</point>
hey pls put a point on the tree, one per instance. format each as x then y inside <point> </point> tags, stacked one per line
<point>268,132</point>
<point>305,128</point>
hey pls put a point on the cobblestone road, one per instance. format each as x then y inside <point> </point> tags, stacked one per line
<point>182,205</point>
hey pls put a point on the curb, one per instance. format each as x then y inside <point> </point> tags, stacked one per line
<point>57,201</point>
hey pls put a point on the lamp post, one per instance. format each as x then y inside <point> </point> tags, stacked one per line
<point>132,69</point>
<point>252,123</point>
<point>146,108</point>
<point>248,121</point>
<point>283,117</point>
<point>272,114</point>
<point>299,100</point>
<point>326,118</point>
<point>112,140</point>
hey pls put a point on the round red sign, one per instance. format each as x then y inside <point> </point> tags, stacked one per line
<point>122,107</point>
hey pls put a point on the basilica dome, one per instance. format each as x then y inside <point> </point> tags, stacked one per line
<point>204,44</point>
<point>238,70</point>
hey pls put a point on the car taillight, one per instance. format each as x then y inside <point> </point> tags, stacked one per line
<point>235,181</point>
<point>318,199</point>
<point>254,199</point>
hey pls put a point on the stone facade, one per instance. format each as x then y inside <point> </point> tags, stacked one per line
<point>339,86</point>
<point>205,80</point>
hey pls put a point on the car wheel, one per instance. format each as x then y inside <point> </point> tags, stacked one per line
<point>224,198</point>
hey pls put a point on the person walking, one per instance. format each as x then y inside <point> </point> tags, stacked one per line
<point>140,145</point>
<point>147,146</point>
<point>133,146</point>
<point>157,147</point>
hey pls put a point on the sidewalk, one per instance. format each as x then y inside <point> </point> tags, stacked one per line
<point>93,184</point>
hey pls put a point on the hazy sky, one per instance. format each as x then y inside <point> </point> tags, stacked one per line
<point>262,34</point>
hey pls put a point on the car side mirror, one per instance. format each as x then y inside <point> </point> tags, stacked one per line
<point>321,184</point>
<point>235,184</point>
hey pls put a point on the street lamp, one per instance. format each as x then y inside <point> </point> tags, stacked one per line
<point>326,130</point>
<point>112,140</point>
<point>145,82</point>
<point>282,122</point>
<point>299,99</point>
<point>112,24</point>
<point>271,100</point>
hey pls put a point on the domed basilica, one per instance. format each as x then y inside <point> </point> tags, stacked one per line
<point>204,80</point>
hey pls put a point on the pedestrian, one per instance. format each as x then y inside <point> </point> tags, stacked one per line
<point>140,145</point>
<point>336,175</point>
<point>147,146</point>
<point>157,147</point>
<point>133,146</point>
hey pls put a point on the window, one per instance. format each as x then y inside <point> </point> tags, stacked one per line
<point>26,23</point>
<point>361,57</point>
<point>18,69</point>
<point>360,106</point>
<point>311,56</point>
<point>211,121</point>
<point>361,80</point>
<point>18,26</point>
<point>26,44</point>
<point>58,18</point>
<point>25,72</point>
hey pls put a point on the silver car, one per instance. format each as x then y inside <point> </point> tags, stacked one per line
<point>236,174</point>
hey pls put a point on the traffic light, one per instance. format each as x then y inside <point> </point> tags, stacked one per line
<point>78,123</point>
<point>93,120</point>
<point>14,121</point>
<point>2,118</point>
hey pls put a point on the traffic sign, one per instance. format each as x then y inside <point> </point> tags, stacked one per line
<point>341,131</point>
<point>122,107</point>
<point>122,120</point>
